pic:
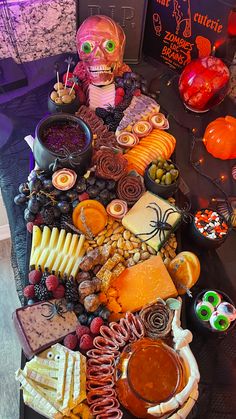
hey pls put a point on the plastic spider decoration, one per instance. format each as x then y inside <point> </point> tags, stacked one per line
<point>54,309</point>
<point>159,225</point>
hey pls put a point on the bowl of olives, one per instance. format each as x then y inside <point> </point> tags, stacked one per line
<point>162,177</point>
<point>63,99</point>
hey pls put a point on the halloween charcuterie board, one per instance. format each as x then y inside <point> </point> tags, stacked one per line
<point>101,327</point>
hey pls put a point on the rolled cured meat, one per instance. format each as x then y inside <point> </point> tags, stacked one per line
<point>157,319</point>
<point>130,188</point>
<point>110,165</point>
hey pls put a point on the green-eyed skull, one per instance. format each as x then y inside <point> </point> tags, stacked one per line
<point>100,44</point>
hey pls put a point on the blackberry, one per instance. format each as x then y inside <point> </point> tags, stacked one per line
<point>118,115</point>
<point>41,292</point>
<point>66,218</point>
<point>109,120</point>
<point>48,215</point>
<point>101,112</point>
<point>71,294</point>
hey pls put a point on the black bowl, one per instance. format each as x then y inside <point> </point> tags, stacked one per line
<point>65,107</point>
<point>204,326</point>
<point>47,159</point>
<point>165,191</point>
<point>203,241</point>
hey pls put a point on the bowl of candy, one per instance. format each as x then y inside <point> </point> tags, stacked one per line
<point>162,177</point>
<point>204,83</point>
<point>213,312</point>
<point>63,140</point>
<point>209,229</point>
<point>63,99</point>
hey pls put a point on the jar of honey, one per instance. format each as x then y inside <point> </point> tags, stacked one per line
<point>148,373</point>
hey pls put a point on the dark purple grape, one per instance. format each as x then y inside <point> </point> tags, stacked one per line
<point>75,203</point>
<point>127,75</point>
<point>119,82</point>
<point>72,194</point>
<point>104,195</point>
<point>47,185</point>
<point>93,191</point>
<point>81,185</point>
<point>35,185</point>
<point>78,308</point>
<point>20,199</point>
<point>128,83</point>
<point>63,197</point>
<point>83,319</point>
<point>91,180</point>
<point>33,205</point>
<point>28,216</point>
<point>104,313</point>
<point>90,318</point>
<point>135,76</point>
<point>64,207</point>
<point>23,188</point>
<point>56,193</point>
<point>30,302</point>
<point>100,183</point>
<point>42,199</point>
<point>113,196</point>
<point>110,185</point>
<point>137,84</point>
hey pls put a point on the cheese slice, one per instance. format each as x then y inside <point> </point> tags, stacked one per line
<point>142,284</point>
<point>152,219</point>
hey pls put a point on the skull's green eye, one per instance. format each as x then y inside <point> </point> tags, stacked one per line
<point>109,46</point>
<point>87,47</point>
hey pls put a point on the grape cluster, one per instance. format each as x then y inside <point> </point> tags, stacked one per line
<point>45,204</point>
<point>96,188</point>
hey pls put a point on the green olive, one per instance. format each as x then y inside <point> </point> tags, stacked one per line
<point>159,173</point>
<point>166,166</point>
<point>168,179</point>
<point>152,171</point>
<point>163,178</point>
<point>160,164</point>
<point>172,166</point>
<point>174,174</point>
<point>157,181</point>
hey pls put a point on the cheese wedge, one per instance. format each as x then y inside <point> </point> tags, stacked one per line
<point>142,284</point>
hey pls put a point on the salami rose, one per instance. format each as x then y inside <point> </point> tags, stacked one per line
<point>130,188</point>
<point>110,165</point>
<point>157,320</point>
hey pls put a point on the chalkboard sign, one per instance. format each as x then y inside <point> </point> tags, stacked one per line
<point>179,30</point>
<point>130,14</point>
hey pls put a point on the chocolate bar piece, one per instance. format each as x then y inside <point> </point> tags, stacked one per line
<point>40,325</point>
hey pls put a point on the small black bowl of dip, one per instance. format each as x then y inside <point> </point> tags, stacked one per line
<point>63,140</point>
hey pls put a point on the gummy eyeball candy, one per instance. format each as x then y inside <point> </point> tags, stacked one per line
<point>204,310</point>
<point>219,322</point>
<point>228,310</point>
<point>212,297</point>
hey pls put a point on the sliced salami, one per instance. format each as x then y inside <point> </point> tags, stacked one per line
<point>108,333</point>
<point>98,362</point>
<point>99,372</point>
<point>111,414</point>
<point>96,395</point>
<point>94,384</point>
<point>104,405</point>
<point>103,343</point>
<point>119,330</point>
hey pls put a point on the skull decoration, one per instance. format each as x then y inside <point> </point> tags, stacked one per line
<point>100,44</point>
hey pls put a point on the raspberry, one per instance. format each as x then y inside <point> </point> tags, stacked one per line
<point>137,92</point>
<point>38,220</point>
<point>118,99</point>
<point>29,291</point>
<point>35,276</point>
<point>86,342</point>
<point>83,196</point>
<point>95,325</point>
<point>120,91</point>
<point>59,292</point>
<point>52,282</point>
<point>70,341</point>
<point>30,226</point>
<point>82,330</point>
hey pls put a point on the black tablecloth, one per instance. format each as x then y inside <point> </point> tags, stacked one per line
<point>216,357</point>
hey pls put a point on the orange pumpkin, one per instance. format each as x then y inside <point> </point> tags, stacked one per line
<point>220,138</point>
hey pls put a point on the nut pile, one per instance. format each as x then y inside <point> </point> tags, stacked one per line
<point>168,251</point>
<point>116,239</point>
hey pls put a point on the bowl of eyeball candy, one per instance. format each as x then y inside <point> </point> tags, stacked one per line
<point>213,312</point>
<point>63,99</point>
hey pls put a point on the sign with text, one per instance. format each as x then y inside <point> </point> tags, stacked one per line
<point>179,30</point>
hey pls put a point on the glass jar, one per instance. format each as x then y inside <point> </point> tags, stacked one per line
<point>148,373</point>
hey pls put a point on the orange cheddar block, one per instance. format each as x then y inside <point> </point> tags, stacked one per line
<point>142,284</point>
